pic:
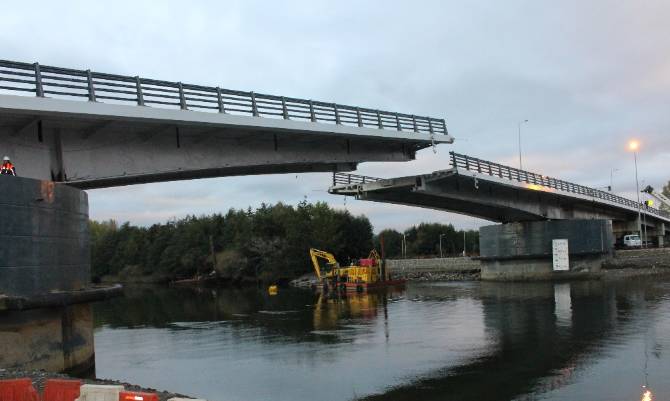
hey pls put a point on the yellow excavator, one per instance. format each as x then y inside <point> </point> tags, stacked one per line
<point>367,274</point>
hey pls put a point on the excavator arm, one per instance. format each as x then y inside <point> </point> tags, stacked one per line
<point>315,255</point>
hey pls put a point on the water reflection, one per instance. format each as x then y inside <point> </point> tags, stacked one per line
<point>453,341</point>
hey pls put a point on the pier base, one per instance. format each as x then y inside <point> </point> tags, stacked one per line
<point>523,251</point>
<point>44,255</point>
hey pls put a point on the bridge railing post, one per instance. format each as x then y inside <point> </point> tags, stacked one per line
<point>379,120</point>
<point>39,89</point>
<point>140,95</point>
<point>358,117</point>
<point>397,122</point>
<point>182,98</point>
<point>284,108</point>
<point>312,114</point>
<point>219,100</point>
<point>91,88</point>
<point>337,114</point>
<point>254,106</point>
<point>416,128</point>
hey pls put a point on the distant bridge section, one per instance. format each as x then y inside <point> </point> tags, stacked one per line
<point>503,194</point>
<point>91,129</point>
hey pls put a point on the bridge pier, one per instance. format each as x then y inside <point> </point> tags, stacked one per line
<point>659,233</point>
<point>44,266</point>
<point>523,251</point>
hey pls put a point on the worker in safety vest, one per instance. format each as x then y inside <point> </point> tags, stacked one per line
<point>7,167</point>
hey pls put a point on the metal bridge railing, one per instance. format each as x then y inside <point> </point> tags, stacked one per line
<point>17,77</point>
<point>511,173</point>
<point>348,179</point>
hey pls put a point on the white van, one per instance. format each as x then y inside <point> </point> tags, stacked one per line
<point>631,241</point>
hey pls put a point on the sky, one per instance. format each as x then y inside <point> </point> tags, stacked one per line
<point>588,77</point>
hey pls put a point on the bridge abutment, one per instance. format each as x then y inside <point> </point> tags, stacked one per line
<point>44,265</point>
<point>523,251</point>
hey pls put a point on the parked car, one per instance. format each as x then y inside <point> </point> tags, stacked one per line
<point>632,241</point>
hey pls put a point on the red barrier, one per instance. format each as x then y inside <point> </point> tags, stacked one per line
<point>18,390</point>
<point>61,390</point>
<point>132,396</point>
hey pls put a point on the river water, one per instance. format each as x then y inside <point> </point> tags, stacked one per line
<point>434,341</point>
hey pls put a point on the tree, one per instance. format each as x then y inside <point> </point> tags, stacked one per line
<point>269,243</point>
<point>392,243</point>
<point>666,192</point>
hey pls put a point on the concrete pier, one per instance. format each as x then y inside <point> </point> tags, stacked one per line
<point>44,238</point>
<point>45,320</point>
<point>523,251</point>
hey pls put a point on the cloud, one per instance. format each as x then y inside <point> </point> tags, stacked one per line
<point>587,75</point>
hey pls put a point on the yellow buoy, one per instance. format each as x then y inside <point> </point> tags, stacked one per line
<point>272,290</point>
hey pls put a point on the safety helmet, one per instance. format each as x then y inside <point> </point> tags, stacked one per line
<point>5,159</point>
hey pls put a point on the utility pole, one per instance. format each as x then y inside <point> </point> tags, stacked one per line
<point>612,170</point>
<point>464,249</point>
<point>634,146</point>
<point>441,235</point>
<point>520,164</point>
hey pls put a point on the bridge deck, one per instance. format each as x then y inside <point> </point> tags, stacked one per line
<point>79,126</point>
<point>495,192</point>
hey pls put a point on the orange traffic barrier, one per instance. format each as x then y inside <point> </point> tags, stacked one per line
<point>61,390</point>
<point>133,396</point>
<point>18,390</point>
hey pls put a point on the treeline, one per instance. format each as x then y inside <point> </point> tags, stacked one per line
<point>423,241</point>
<point>269,243</point>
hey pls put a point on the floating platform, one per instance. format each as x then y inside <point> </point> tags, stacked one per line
<point>365,287</point>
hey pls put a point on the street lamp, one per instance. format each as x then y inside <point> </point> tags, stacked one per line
<point>520,164</point>
<point>634,146</point>
<point>441,235</point>
<point>612,171</point>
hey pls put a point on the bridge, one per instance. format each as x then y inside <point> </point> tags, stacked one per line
<point>498,193</point>
<point>91,129</point>
<point>533,207</point>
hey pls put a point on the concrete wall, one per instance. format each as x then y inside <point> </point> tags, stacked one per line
<point>432,265</point>
<point>44,237</point>
<point>516,240</point>
<point>523,251</point>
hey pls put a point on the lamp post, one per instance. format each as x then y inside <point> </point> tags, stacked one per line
<point>612,177</point>
<point>441,235</point>
<point>633,146</point>
<point>520,164</point>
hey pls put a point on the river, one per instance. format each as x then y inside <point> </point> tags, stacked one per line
<point>433,341</point>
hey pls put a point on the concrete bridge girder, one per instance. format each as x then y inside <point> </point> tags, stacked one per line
<point>89,144</point>
<point>536,205</point>
<point>495,199</point>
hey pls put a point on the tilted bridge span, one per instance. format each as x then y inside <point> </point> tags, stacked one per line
<point>91,129</point>
<point>499,193</point>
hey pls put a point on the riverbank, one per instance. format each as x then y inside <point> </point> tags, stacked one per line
<point>625,264</point>
<point>39,378</point>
